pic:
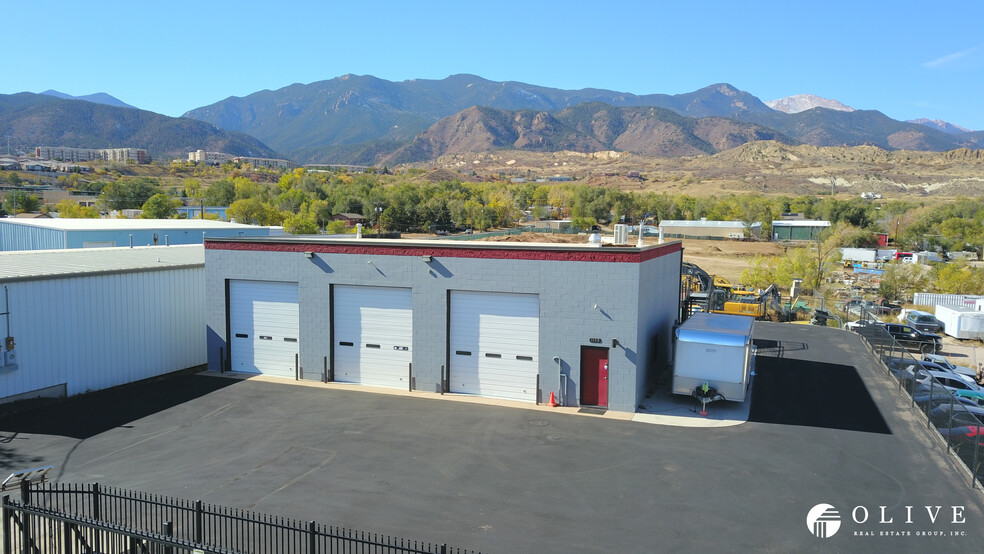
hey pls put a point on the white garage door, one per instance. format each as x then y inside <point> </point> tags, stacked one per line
<point>263,324</point>
<point>495,344</point>
<point>373,335</point>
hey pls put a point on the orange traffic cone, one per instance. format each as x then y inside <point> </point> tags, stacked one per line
<point>553,401</point>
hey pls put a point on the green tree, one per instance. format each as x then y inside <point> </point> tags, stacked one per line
<point>250,211</point>
<point>73,210</point>
<point>300,224</point>
<point>901,280</point>
<point>14,179</point>
<point>220,193</point>
<point>246,188</point>
<point>128,194</point>
<point>19,202</point>
<point>956,278</point>
<point>160,206</point>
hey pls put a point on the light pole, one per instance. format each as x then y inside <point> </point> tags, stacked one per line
<point>897,222</point>
<point>379,214</point>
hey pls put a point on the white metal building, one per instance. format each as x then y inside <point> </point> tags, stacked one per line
<point>60,233</point>
<point>703,228</point>
<point>73,321</point>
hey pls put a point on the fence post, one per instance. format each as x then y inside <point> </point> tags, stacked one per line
<point>25,487</point>
<point>312,537</point>
<point>7,513</point>
<point>67,537</point>
<point>97,515</point>
<point>444,548</point>
<point>973,470</point>
<point>26,541</point>
<point>199,521</point>
<point>168,532</point>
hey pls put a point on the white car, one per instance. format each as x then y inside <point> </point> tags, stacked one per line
<point>950,381</point>
<point>861,324</point>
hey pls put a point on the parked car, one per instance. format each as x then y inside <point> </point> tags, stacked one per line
<point>949,366</point>
<point>950,381</point>
<point>952,414</point>
<point>924,321</point>
<point>911,338</point>
<point>907,370</point>
<point>861,324</point>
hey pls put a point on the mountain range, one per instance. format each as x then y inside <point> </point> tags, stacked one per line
<point>363,119</point>
<point>802,102</point>
<point>98,98</point>
<point>366,120</point>
<point>40,119</point>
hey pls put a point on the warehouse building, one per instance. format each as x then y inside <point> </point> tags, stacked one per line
<point>80,320</point>
<point>798,229</point>
<point>704,229</point>
<point>514,321</point>
<point>59,233</point>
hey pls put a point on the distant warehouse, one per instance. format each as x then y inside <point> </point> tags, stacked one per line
<point>73,321</point>
<point>701,229</point>
<point>58,233</point>
<point>798,229</point>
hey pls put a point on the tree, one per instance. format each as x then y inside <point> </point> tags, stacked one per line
<point>19,202</point>
<point>128,194</point>
<point>245,188</point>
<point>220,193</point>
<point>956,278</point>
<point>300,224</point>
<point>159,206</point>
<point>14,179</point>
<point>72,210</point>
<point>901,280</point>
<point>250,211</point>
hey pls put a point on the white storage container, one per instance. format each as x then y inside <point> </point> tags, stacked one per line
<point>716,349</point>
<point>962,323</point>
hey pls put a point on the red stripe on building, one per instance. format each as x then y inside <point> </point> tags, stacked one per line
<point>578,255</point>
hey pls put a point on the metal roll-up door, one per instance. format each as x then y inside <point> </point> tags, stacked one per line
<point>494,344</point>
<point>264,327</point>
<point>373,335</point>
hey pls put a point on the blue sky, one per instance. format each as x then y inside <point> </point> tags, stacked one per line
<point>907,59</point>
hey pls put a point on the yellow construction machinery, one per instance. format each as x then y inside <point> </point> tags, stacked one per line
<point>712,293</point>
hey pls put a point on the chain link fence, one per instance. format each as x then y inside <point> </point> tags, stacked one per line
<point>948,396</point>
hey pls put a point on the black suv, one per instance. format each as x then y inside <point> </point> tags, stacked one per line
<point>912,338</point>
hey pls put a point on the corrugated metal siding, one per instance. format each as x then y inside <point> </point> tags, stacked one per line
<point>164,236</point>
<point>25,237</point>
<point>951,300</point>
<point>101,331</point>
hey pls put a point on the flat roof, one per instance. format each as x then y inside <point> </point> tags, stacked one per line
<point>723,329</point>
<point>320,244</point>
<point>800,223</point>
<point>66,224</point>
<point>26,265</point>
<point>699,223</point>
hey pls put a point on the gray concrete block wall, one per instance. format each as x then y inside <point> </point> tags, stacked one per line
<point>567,290</point>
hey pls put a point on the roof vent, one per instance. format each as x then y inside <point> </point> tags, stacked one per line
<point>594,239</point>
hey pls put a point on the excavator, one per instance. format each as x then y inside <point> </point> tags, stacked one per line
<point>713,293</point>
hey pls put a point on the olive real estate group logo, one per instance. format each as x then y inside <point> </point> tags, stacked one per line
<point>824,521</point>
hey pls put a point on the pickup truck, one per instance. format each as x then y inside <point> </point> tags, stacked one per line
<point>914,339</point>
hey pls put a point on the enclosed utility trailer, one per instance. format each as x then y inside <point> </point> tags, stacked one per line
<point>715,349</point>
<point>962,323</point>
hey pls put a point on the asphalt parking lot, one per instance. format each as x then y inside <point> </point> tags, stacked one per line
<point>825,426</point>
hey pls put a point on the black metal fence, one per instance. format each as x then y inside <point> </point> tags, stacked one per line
<point>951,404</point>
<point>92,518</point>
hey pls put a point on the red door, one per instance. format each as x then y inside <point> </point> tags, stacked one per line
<point>594,376</point>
